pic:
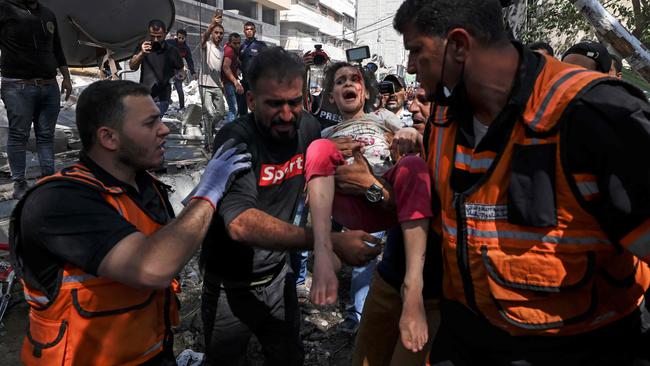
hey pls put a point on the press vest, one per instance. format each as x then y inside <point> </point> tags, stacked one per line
<point>519,248</point>
<point>94,320</point>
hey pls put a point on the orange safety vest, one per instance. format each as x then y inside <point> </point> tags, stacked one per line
<point>95,320</point>
<point>560,278</point>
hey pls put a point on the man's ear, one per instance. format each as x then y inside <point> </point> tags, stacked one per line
<point>107,138</point>
<point>459,43</point>
<point>330,97</point>
<point>250,100</point>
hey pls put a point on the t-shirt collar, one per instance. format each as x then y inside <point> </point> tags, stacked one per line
<point>107,178</point>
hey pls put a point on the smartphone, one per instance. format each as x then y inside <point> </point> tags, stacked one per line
<point>386,87</point>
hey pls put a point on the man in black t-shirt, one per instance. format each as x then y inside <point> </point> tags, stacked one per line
<point>88,239</point>
<point>160,62</point>
<point>31,53</point>
<point>248,285</point>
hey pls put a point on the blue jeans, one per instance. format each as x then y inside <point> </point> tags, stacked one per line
<point>360,284</point>
<point>231,100</point>
<point>298,258</point>
<point>27,104</point>
<point>163,106</point>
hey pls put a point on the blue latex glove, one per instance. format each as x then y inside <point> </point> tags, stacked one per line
<point>220,171</point>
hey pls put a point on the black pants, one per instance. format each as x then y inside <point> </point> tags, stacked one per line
<point>178,85</point>
<point>467,339</point>
<point>242,106</point>
<point>231,316</point>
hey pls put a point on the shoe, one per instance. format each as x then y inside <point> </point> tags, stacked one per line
<point>303,293</point>
<point>20,188</point>
<point>349,326</point>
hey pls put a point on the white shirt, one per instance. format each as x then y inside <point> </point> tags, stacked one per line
<point>370,129</point>
<point>211,61</point>
<point>480,130</point>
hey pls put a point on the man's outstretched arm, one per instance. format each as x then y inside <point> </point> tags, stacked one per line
<point>152,261</point>
<point>256,228</point>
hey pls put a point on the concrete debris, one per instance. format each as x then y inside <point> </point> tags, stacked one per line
<point>190,358</point>
<point>185,158</point>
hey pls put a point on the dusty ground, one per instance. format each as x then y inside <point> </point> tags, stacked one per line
<point>324,344</point>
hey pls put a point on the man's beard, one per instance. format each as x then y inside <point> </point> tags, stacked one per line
<point>394,105</point>
<point>131,154</point>
<point>279,136</point>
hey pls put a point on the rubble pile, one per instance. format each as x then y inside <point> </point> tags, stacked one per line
<point>185,157</point>
<point>324,343</point>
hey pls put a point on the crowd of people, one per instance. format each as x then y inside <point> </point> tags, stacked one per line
<point>504,191</point>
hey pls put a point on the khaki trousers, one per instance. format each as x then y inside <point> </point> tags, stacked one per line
<point>378,341</point>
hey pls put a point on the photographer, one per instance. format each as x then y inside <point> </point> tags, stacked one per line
<point>160,63</point>
<point>393,98</point>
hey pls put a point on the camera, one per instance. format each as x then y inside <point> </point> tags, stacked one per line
<point>320,56</point>
<point>156,46</point>
<point>386,87</point>
<point>357,54</point>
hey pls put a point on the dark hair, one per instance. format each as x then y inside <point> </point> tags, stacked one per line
<point>274,62</point>
<point>101,104</point>
<point>182,31</point>
<point>368,80</point>
<point>542,46</point>
<point>249,24</point>
<point>233,35</point>
<point>483,19</point>
<point>156,24</point>
<point>618,62</point>
<point>217,25</point>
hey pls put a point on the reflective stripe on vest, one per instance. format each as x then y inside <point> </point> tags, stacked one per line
<point>94,320</point>
<point>529,274</point>
<point>638,241</point>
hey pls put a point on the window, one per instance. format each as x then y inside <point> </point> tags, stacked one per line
<point>242,7</point>
<point>268,15</point>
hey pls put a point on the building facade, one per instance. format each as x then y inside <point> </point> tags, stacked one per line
<point>194,16</point>
<point>330,23</point>
<point>375,30</point>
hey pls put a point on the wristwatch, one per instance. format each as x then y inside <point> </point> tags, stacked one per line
<point>374,194</point>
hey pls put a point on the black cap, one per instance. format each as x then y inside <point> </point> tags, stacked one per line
<point>395,79</point>
<point>594,51</point>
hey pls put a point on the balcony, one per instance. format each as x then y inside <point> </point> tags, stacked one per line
<point>311,17</point>
<point>341,6</point>
<point>276,4</point>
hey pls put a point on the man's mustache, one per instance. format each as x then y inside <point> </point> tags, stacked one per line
<point>279,122</point>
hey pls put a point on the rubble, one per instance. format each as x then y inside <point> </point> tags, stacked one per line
<point>324,343</point>
<point>185,158</point>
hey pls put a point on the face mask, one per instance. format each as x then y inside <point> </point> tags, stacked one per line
<point>444,96</point>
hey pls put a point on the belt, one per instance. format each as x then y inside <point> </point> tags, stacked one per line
<point>37,82</point>
<point>210,278</point>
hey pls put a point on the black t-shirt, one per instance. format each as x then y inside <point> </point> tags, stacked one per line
<point>65,221</point>
<point>274,186</point>
<point>29,42</point>
<point>158,68</point>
